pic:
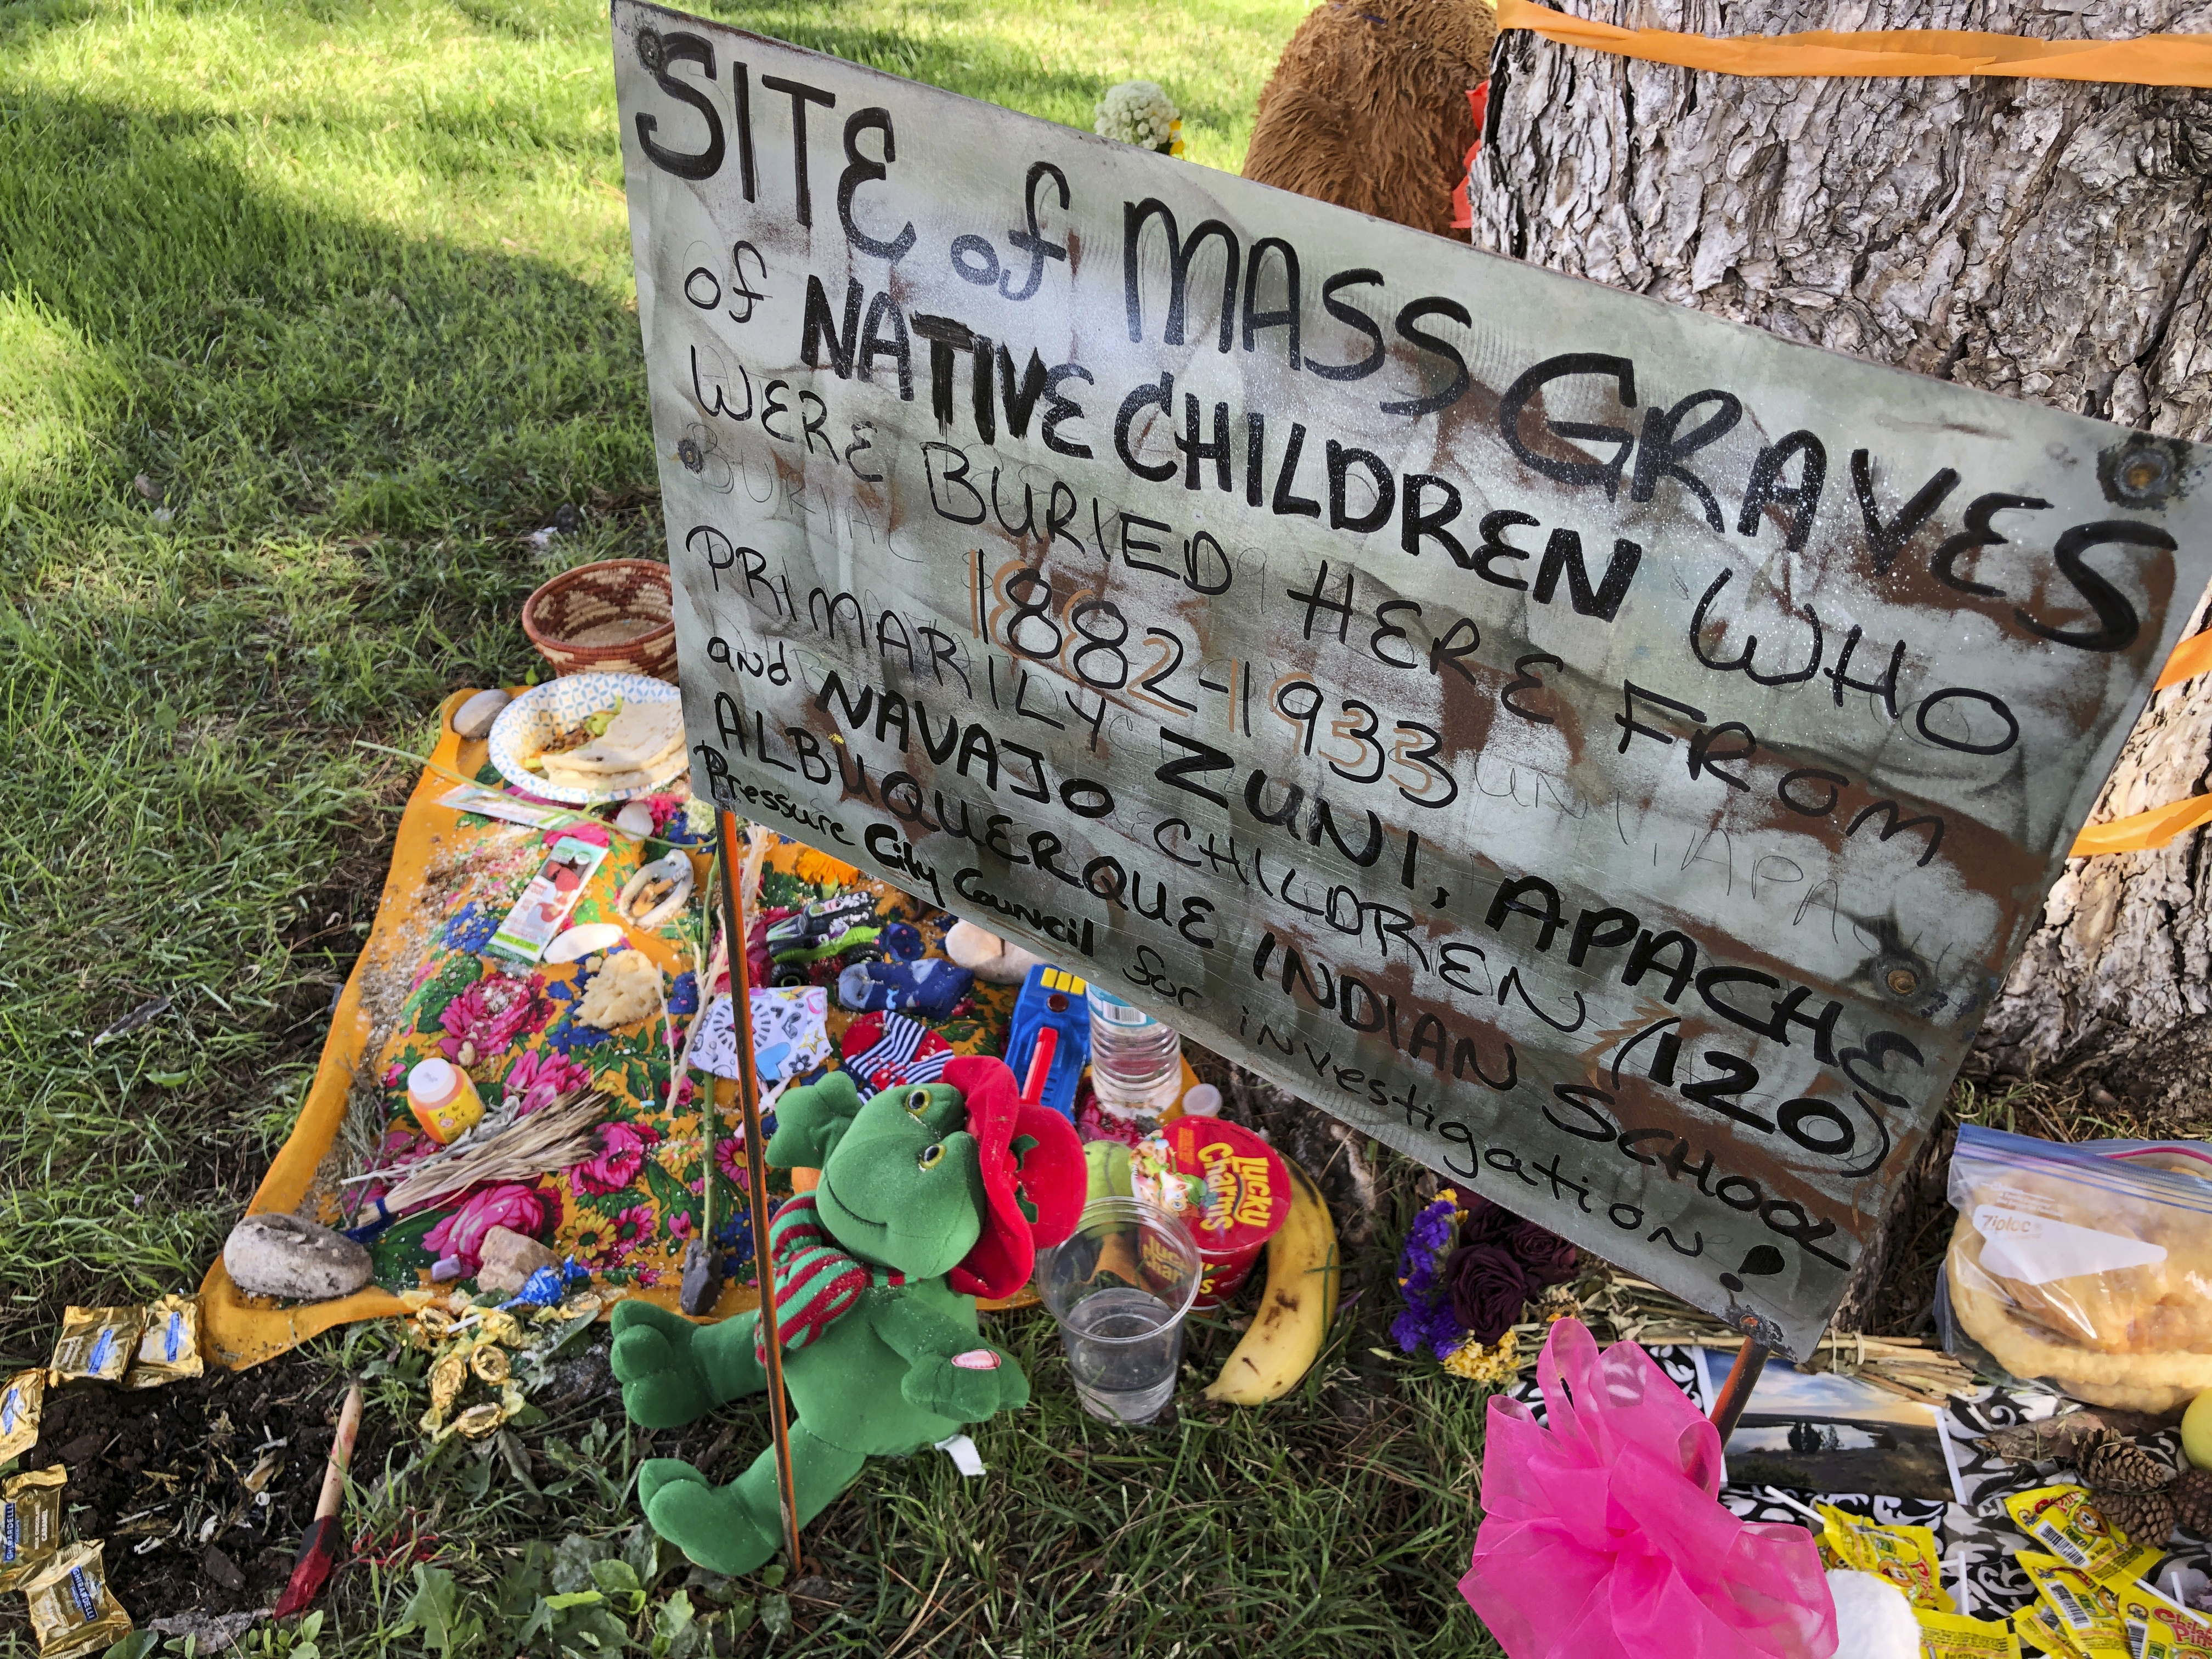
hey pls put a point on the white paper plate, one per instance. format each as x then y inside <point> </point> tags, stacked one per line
<point>525,724</point>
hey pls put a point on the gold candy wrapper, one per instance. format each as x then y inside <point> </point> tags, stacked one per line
<point>169,1347</point>
<point>30,1523</point>
<point>446,1377</point>
<point>22,1397</point>
<point>490,1364</point>
<point>1954,1636</point>
<point>2087,1611</point>
<point>1907,1556</point>
<point>96,1345</point>
<point>72,1613</point>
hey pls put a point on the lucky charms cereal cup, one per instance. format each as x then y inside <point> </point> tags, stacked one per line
<point>1230,1189</point>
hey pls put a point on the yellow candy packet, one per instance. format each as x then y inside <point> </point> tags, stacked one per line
<point>1954,1636</point>
<point>170,1346</point>
<point>72,1613</point>
<point>30,1523</point>
<point>2166,1637</point>
<point>2068,1525</point>
<point>2036,1623</point>
<point>2147,1615</point>
<point>2087,1611</point>
<point>96,1345</point>
<point>21,1398</point>
<point>1907,1556</point>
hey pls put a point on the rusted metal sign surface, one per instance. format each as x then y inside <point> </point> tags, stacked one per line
<point>1606,752</point>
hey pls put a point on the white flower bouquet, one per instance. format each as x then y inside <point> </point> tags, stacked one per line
<point>1139,112</point>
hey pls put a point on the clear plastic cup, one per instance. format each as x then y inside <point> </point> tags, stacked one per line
<point>1136,1061</point>
<point>1119,1287</point>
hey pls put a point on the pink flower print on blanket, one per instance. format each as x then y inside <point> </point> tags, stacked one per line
<point>633,1230</point>
<point>620,1160</point>
<point>521,1209</point>
<point>490,1014</point>
<point>542,1076</point>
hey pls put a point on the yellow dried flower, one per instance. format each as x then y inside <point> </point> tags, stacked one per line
<point>1497,1364</point>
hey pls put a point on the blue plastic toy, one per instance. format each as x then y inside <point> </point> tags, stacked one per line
<point>1051,999</point>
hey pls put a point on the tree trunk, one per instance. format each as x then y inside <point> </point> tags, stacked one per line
<point>2038,239</point>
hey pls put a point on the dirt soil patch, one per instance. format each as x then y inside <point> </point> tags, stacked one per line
<point>201,1489</point>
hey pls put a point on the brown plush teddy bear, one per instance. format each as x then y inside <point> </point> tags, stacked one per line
<point>1368,106</point>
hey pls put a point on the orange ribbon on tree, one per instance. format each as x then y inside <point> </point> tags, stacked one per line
<point>2149,60</point>
<point>2146,832</point>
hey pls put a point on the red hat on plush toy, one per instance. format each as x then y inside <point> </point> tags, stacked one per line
<point>1033,1179</point>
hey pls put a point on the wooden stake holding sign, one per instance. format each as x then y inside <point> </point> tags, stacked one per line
<point>1606,753</point>
<point>733,933</point>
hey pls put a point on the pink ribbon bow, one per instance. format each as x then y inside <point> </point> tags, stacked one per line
<point>1602,1533</point>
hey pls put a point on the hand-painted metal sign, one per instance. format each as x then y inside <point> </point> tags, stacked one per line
<point>1607,752</point>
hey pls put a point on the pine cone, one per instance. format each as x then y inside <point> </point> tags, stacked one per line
<point>2192,1501</point>
<point>2110,1462</point>
<point>2146,1517</point>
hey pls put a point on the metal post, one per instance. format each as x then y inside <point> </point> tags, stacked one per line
<point>734,929</point>
<point>1735,1393</point>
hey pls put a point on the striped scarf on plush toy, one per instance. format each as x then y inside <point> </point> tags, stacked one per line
<point>817,1283</point>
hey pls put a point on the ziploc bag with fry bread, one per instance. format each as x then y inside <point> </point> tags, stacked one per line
<point>2086,1267</point>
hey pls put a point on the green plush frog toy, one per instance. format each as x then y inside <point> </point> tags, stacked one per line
<point>930,1196</point>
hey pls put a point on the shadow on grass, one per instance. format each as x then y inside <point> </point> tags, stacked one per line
<point>346,428</point>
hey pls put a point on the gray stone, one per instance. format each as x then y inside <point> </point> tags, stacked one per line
<point>284,1257</point>
<point>508,1259</point>
<point>473,719</point>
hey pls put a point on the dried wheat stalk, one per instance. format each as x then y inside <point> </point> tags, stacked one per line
<point>552,1137</point>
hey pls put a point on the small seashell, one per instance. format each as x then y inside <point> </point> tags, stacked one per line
<point>635,818</point>
<point>587,938</point>
<point>468,1054</point>
<point>649,909</point>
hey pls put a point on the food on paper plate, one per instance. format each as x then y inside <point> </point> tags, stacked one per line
<point>624,747</point>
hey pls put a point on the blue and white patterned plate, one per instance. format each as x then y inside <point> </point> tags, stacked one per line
<point>525,725</point>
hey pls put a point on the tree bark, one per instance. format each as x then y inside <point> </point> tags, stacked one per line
<point>2038,239</point>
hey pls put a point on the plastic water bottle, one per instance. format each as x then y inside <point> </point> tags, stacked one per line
<point>1136,1062</point>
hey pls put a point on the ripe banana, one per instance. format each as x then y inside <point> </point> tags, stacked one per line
<point>1299,1305</point>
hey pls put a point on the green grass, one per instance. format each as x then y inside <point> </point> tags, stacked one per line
<point>1335,1522</point>
<point>347,283</point>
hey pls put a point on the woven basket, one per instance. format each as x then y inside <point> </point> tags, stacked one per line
<point>611,618</point>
